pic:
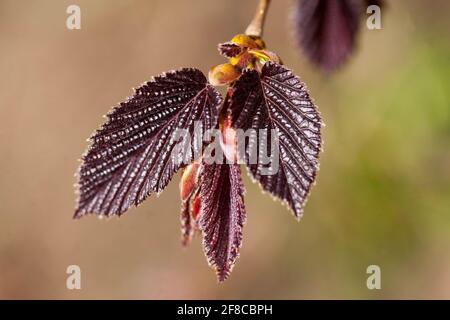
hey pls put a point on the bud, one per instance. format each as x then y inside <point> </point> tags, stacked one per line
<point>263,56</point>
<point>243,61</point>
<point>244,41</point>
<point>223,74</point>
<point>260,43</point>
<point>249,42</point>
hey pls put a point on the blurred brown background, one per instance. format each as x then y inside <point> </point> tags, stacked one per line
<point>383,191</point>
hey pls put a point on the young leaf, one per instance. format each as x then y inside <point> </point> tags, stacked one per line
<point>131,155</point>
<point>326,29</point>
<point>277,100</point>
<point>229,49</point>
<point>189,202</point>
<point>189,218</point>
<point>187,229</point>
<point>222,215</point>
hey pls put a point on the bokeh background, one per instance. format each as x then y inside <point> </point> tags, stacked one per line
<point>382,195</point>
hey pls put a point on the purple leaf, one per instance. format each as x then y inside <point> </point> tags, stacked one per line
<point>277,100</point>
<point>131,155</point>
<point>222,215</point>
<point>229,49</point>
<point>326,29</point>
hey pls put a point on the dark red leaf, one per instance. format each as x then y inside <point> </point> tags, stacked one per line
<point>222,215</point>
<point>277,99</point>
<point>326,29</point>
<point>131,155</point>
<point>229,49</point>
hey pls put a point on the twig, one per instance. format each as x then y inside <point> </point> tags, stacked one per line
<point>255,28</point>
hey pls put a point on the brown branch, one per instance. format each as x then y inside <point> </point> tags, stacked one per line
<point>255,28</point>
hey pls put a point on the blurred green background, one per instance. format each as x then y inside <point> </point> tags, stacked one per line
<point>382,195</point>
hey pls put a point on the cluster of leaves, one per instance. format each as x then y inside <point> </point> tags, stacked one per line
<point>132,154</point>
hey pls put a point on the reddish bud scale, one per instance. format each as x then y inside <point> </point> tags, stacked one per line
<point>195,207</point>
<point>228,141</point>
<point>243,52</point>
<point>188,181</point>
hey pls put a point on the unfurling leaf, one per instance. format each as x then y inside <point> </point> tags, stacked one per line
<point>189,202</point>
<point>276,99</point>
<point>187,229</point>
<point>326,29</point>
<point>131,155</point>
<point>188,182</point>
<point>189,218</point>
<point>229,49</point>
<point>222,215</point>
